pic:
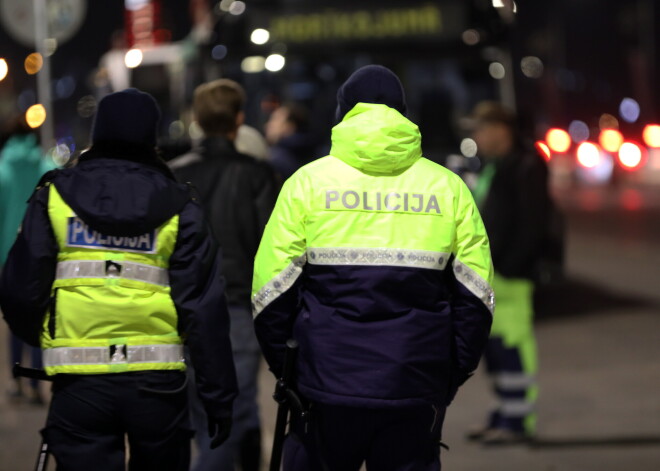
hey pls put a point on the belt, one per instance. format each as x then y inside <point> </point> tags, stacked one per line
<point>114,354</point>
<point>112,269</point>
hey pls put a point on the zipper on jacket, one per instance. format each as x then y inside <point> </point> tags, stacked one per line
<point>51,319</point>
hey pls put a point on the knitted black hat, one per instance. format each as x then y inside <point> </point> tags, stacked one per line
<point>371,84</point>
<point>129,116</point>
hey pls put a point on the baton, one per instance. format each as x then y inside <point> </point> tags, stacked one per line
<point>283,397</point>
<point>19,371</point>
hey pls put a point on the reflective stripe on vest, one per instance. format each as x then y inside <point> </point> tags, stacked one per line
<point>68,356</point>
<point>111,269</point>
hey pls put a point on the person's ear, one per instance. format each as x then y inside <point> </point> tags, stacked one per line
<point>240,119</point>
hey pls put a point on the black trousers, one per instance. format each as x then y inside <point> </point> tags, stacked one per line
<point>343,438</point>
<point>92,417</point>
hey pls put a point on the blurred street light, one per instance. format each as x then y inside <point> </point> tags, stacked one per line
<point>629,110</point>
<point>588,154</point>
<point>4,69</point>
<point>558,140</point>
<point>543,149</point>
<point>578,130</point>
<point>496,70</point>
<point>610,140</point>
<point>253,64</point>
<point>630,155</point>
<point>260,36</point>
<point>133,58</point>
<point>651,135</point>
<point>35,115</point>
<point>275,62</point>
<point>33,63</point>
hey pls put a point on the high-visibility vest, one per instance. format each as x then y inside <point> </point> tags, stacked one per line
<point>111,309</point>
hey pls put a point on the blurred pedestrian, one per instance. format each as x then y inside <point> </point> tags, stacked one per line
<point>376,261</point>
<point>238,194</point>
<point>21,165</point>
<point>113,270</point>
<point>292,146</point>
<point>512,195</point>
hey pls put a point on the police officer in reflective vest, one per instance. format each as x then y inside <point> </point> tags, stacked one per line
<point>376,261</point>
<point>113,271</point>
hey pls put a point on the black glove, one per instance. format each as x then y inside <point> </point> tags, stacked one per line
<point>219,430</point>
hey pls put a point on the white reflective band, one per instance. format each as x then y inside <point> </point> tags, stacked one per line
<point>64,356</point>
<point>111,269</point>
<point>514,381</point>
<point>476,284</point>
<point>515,408</point>
<point>377,257</point>
<point>278,285</point>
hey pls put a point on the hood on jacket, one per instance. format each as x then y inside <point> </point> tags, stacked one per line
<point>120,197</point>
<point>375,138</point>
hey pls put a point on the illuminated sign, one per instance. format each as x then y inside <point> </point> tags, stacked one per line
<point>341,25</point>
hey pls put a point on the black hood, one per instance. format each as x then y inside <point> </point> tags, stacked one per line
<point>120,197</point>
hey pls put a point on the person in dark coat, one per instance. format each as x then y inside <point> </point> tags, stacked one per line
<point>238,194</point>
<point>114,268</point>
<point>513,198</point>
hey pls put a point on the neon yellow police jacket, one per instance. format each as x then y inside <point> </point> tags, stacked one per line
<point>376,260</point>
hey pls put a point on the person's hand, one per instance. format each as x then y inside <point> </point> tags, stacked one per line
<point>219,430</point>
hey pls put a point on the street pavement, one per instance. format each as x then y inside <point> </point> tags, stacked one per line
<point>599,352</point>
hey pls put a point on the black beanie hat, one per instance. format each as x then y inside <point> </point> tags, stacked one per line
<point>129,116</point>
<point>371,84</point>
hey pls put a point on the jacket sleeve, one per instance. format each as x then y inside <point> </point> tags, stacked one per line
<point>473,299</point>
<point>197,289</point>
<point>277,275</point>
<point>29,272</point>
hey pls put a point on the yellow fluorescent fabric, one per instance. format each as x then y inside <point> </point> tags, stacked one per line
<point>109,310</point>
<point>376,192</point>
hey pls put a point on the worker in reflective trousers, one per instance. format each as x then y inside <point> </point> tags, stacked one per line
<point>376,261</point>
<point>114,268</point>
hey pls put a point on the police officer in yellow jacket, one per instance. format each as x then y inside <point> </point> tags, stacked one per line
<point>376,261</point>
<point>113,271</point>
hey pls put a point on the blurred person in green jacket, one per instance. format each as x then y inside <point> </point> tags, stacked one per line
<point>21,165</point>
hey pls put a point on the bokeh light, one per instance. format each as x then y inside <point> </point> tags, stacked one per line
<point>558,140</point>
<point>578,130</point>
<point>133,58</point>
<point>253,64</point>
<point>651,135</point>
<point>531,67</point>
<point>629,110</point>
<point>4,69</point>
<point>237,8</point>
<point>630,155</point>
<point>610,140</point>
<point>496,70</point>
<point>219,52</point>
<point>275,62</point>
<point>543,149</point>
<point>468,147</point>
<point>588,154</point>
<point>608,121</point>
<point>260,36</point>
<point>33,63</point>
<point>35,115</point>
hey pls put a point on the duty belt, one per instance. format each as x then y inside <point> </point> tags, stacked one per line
<point>114,354</point>
<point>111,269</point>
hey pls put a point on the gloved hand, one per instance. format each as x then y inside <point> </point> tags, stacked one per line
<point>219,430</point>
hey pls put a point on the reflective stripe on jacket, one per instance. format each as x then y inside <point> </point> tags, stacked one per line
<point>110,309</point>
<point>376,260</point>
